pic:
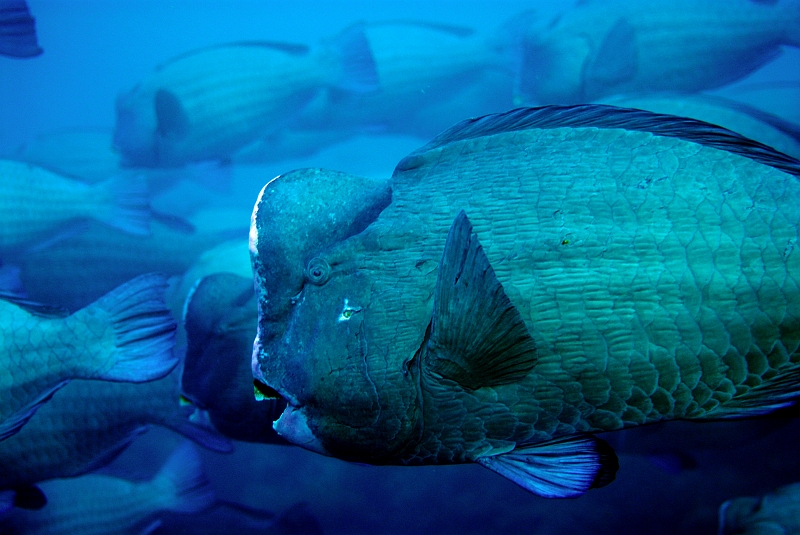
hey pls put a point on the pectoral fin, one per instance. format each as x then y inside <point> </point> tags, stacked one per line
<point>477,336</point>
<point>562,468</point>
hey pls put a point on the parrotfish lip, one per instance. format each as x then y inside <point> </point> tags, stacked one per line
<point>293,426</point>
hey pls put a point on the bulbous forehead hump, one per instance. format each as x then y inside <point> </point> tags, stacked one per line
<point>302,212</point>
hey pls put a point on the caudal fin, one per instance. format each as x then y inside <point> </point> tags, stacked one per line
<point>358,70</point>
<point>17,30</point>
<point>125,204</point>
<point>184,484</point>
<point>144,330</point>
<point>194,424</point>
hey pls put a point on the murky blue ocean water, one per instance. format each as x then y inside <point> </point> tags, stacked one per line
<point>58,111</point>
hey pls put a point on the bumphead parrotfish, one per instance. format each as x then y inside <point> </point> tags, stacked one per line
<point>609,47</point>
<point>523,281</point>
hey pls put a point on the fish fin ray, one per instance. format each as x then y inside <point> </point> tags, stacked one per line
<point>779,392</point>
<point>144,330</point>
<point>188,485</point>
<point>39,309</point>
<point>561,468</point>
<point>478,337</point>
<point>126,204</point>
<point>601,116</point>
<point>359,72</point>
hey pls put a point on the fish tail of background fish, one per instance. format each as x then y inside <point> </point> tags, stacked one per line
<point>181,485</point>
<point>17,30</point>
<point>355,69</point>
<point>196,425</point>
<point>133,332</point>
<point>123,203</point>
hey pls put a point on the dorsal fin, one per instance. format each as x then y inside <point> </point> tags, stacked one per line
<point>603,116</point>
<point>294,49</point>
<point>452,29</point>
<point>35,308</point>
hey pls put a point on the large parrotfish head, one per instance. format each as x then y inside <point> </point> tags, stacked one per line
<point>320,303</point>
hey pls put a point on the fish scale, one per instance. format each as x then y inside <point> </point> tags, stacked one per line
<point>86,422</point>
<point>691,203</point>
<point>599,268</point>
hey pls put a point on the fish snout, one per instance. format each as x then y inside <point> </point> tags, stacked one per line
<point>293,426</point>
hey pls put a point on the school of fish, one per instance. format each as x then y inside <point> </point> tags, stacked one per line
<point>587,232</point>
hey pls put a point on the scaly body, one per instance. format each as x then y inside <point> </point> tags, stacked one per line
<point>626,268</point>
<point>600,48</point>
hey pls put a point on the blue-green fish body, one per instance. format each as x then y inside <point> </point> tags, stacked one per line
<point>101,504</point>
<point>37,203</point>
<point>602,48</point>
<point>99,259</point>
<point>221,319</point>
<point>125,336</point>
<point>87,423</point>
<point>208,103</point>
<point>526,280</point>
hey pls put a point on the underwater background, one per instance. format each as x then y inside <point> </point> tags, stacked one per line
<point>58,109</point>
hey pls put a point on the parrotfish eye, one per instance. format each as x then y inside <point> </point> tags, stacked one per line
<point>318,271</point>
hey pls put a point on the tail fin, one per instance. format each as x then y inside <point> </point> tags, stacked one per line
<point>144,330</point>
<point>17,30</point>
<point>358,70</point>
<point>186,487</point>
<point>124,204</point>
<point>197,426</point>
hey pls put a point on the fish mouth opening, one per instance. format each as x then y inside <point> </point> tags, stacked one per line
<point>263,391</point>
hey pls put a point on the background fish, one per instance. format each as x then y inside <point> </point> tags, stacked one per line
<point>207,104</point>
<point>37,203</point>
<point>97,260</point>
<point>455,58</point>
<point>605,47</point>
<point>615,276</point>
<point>17,30</point>
<point>88,423</point>
<point>227,257</point>
<point>104,504</point>
<point>776,513</point>
<point>125,336</point>
<point>221,318</point>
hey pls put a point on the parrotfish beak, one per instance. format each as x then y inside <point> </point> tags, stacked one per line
<point>293,426</point>
<point>293,422</point>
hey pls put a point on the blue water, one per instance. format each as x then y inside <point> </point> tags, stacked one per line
<point>93,50</point>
